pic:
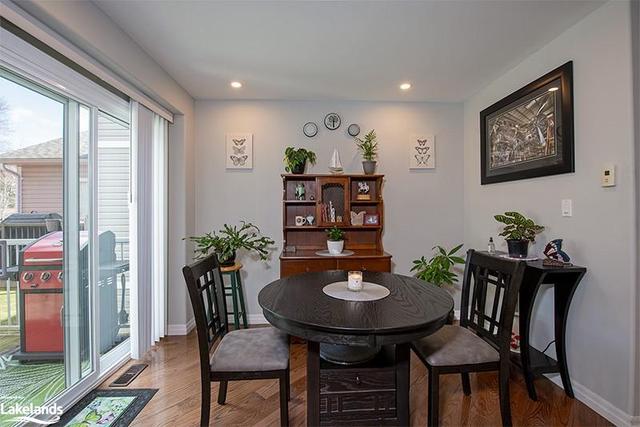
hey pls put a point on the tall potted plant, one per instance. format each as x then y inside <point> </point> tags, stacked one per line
<point>518,231</point>
<point>335,240</point>
<point>295,160</point>
<point>437,270</point>
<point>227,241</point>
<point>369,149</point>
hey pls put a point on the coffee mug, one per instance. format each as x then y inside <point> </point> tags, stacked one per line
<point>300,220</point>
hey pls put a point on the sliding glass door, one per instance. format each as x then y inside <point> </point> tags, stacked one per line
<point>65,177</point>
<point>46,309</point>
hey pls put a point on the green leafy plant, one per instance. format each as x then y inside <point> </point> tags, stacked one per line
<point>335,234</point>
<point>229,239</point>
<point>518,227</point>
<point>437,270</point>
<point>296,158</point>
<point>368,146</point>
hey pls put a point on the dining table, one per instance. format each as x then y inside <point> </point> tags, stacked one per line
<point>358,351</point>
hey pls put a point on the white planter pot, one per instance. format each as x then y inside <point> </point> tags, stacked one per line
<point>335,248</point>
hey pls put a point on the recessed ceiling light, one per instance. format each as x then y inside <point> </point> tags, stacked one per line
<point>405,86</point>
<point>236,85</point>
<point>553,89</point>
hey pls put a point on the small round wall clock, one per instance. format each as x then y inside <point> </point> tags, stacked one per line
<point>353,130</point>
<point>310,129</point>
<point>332,121</point>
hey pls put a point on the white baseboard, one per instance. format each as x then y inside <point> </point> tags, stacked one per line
<point>599,404</point>
<point>257,319</point>
<point>181,328</point>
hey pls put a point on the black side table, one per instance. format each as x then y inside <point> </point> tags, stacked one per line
<point>533,362</point>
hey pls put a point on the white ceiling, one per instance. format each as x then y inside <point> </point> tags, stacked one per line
<point>356,50</point>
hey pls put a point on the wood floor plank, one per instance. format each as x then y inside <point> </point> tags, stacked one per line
<point>174,370</point>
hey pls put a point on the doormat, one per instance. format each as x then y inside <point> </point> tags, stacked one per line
<point>107,408</point>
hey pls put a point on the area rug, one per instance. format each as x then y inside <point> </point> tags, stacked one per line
<point>107,408</point>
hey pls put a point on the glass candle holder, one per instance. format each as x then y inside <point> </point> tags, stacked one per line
<point>355,281</point>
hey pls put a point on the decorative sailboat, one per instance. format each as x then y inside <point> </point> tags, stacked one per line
<point>335,165</point>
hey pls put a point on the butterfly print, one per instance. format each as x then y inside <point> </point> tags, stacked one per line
<point>238,150</point>
<point>239,142</point>
<point>239,160</point>
<point>422,159</point>
<point>422,150</point>
<point>422,142</point>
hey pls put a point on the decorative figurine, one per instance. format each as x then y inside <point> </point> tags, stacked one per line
<point>335,165</point>
<point>300,191</point>
<point>363,191</point>
<point>555,256</point>
<point>332,212</point>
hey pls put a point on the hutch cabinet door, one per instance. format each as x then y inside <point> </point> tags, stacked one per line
<point>333,201</point>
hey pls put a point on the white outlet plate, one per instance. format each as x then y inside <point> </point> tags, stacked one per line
<point>567,207</point>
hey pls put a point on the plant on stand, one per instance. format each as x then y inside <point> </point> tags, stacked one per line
<point>295,160</point>
<point>437,270</point>
<point>369,148</point>
<point>518,232</point>
<point>227,241</point>
<point>335,240</point>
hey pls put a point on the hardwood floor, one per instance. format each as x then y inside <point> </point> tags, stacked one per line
<point>173,369</point>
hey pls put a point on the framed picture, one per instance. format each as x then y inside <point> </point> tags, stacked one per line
<point>530,132</point>
<point>422,152</point>
<point>371,219</point>
<point>239,150</point>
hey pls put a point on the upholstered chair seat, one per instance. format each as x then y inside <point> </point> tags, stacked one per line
<point>453,346</point>
<point>257,350</point>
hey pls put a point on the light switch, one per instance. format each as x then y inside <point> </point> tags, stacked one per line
<point>609,175</point>
<point>567,207</point>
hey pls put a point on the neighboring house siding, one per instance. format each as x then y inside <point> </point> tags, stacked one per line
<point>113,182</point>
<point>42,188</point>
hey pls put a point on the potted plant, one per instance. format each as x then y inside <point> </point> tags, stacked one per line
<point>227,241</point>
<point>369,148</point>
<point>295,160</point>
<point>335,240</point>
<point>518,231</point>
<point>437,270</point>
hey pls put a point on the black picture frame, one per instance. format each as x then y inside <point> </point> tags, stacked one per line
<point>557,83</point>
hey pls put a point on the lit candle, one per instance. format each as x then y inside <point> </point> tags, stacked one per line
<point>355,281</point>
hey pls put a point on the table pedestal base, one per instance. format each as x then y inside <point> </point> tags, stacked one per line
<point>371,393</point>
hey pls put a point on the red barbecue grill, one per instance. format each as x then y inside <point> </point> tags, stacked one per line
<point>42,300</point>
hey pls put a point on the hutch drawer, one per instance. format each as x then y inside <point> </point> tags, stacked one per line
<point>293,267</point>
<point>365,264</point>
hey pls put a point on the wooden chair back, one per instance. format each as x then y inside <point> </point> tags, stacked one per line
<point>489,297</point>
<point>206,291</point>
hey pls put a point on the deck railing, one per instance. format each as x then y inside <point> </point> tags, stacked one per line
<point>9,289</point>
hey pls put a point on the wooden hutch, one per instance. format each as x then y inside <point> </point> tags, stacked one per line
<point>301,242</point>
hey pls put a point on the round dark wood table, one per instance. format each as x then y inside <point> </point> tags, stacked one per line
<point>375,391</point>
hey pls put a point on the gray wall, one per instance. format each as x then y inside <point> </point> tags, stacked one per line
<point>600,340</point>
<point>421,208</point>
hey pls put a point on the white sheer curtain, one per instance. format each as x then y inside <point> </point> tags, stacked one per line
<point>148,302</point>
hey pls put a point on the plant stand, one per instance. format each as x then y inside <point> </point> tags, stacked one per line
<point>237,295</point>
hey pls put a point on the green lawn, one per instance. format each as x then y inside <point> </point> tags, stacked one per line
<point>4,307</point>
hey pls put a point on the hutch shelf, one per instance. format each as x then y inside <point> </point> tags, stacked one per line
<point>328,200</point>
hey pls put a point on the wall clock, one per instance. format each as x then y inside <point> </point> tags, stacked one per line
<point>332,121</point>
<point>353,130</point>
<point>310,129</point>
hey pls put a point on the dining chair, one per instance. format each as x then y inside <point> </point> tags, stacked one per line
<point>244,354</point>
<point>481,341</point>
